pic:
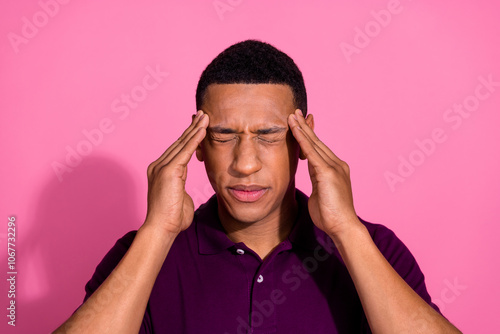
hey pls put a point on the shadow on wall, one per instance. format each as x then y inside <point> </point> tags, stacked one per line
<point>77,222</point>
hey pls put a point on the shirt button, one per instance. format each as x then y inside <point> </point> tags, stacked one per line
<point>240,251</point>
<point>260,279</point>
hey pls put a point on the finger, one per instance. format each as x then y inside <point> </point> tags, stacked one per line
<point>189,129</point>
<point>187,132</point>
<point>315,156</point>
<point>181,145</point>
<point>183,156</point>
<point>203,123</point>
<point>199,121</point>
<point>317,147</point>
<point>314,138</point>
<point>312,152</point>
<point>312,142</point>
<point>177,160</point>
<point>312,135</point>
<point>332,157</point>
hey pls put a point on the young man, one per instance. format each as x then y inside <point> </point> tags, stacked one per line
<point>259,256</point>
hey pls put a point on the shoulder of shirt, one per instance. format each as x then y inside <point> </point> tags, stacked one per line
<point>388,242</point>
<point>378,231</point>
<point>123,244</point>
<point>383,236</point>
<point>127,239</point>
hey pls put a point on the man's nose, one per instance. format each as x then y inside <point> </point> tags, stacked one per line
<point>246,159</point>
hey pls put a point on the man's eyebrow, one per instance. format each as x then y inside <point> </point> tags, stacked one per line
<point>220,129</point>
<point>274,129</point>
<point>265,131</point>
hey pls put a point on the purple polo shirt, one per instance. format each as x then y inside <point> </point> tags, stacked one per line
<point>209,284</point>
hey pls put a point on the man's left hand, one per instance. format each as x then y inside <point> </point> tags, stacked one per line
<point>330,204</point>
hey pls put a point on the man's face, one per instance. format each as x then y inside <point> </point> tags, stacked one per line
<point>249,152</point>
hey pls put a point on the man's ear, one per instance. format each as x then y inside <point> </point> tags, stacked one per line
<point>310,123</point>
<point>199,153</point>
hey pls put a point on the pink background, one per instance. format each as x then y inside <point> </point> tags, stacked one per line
<point>67,75</point>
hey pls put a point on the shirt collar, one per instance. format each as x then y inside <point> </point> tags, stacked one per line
<point>212,238</point>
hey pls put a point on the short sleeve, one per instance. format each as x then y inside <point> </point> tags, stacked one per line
<point>107,265</point>
<point>401,259</point>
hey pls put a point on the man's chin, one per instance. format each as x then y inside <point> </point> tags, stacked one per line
<point>247,213</point>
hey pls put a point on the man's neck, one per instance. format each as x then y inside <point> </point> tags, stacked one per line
<point>263,236</point>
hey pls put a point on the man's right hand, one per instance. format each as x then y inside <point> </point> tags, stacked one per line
<point>118,305</point>
<point>169,205</point>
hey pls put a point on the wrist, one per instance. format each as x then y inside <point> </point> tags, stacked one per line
<point>162,224</point>
<point>156,231</point>
<point>352,232</point>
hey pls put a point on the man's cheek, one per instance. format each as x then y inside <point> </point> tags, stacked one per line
<point>216,170</point>
<point>278,155</point>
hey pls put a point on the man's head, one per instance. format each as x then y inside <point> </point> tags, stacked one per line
<point>249,152</point>
<point>253,62</point>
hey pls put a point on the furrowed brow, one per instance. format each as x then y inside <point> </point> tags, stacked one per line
<point>223,130</point>
<point>220,129</point>
<point>274,129</point>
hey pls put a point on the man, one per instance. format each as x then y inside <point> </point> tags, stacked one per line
<point>259,256</point>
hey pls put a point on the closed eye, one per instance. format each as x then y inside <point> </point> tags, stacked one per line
<point>222,138</point>
<point>267,136</point>
<point>267,140</point>
<point>272,137</point>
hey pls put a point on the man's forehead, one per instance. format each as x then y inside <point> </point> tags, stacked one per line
<point>246,119</point>
<point>227,97</point>
<point>252,106</point>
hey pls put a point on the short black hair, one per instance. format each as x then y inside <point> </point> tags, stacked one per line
<point>253,62</point>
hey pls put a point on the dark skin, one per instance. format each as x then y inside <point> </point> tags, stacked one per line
<point>250,138</point>
<point>251,157</point>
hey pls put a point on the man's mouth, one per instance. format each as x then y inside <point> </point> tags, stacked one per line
<point>247,193</point>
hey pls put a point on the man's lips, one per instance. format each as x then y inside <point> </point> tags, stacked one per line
<point>247,193</point>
